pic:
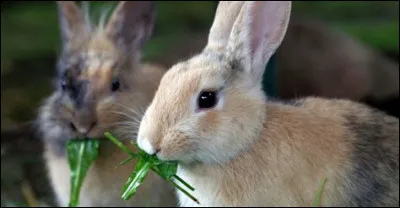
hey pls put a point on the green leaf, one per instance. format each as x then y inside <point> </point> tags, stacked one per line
<point>81,154</point>
<point>167,169</point>
<point>136,179</point>
<point>146,162</point>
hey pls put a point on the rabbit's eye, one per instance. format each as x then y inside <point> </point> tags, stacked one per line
<point>115,85</point>
<point>207,99</point>
<point>63,85</point>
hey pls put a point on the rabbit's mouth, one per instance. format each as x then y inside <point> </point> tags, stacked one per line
<point>91,138</point>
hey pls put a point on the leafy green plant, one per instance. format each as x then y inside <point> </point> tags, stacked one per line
<point>145,162</point>
<point>81,154</point>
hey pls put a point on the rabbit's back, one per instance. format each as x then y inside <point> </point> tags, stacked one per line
<point>355,146</point>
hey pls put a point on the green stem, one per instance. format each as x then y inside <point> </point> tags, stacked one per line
<point>183,182</point>
<point>125,161</point>
<point>176,185</point>
<point>319,194</point>
<point>119,144</point>
<point>184,191</point>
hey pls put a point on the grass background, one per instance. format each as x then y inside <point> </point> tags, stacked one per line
<point>30,44</point>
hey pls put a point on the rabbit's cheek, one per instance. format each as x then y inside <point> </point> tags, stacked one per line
<point>209,123</point>
<point>174,146</point>
<point>67,111</point>
<point>105,103</point>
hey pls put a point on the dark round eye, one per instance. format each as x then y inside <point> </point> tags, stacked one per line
<point>63,85</point>
<point>115,85</point>
<point>207,99</point>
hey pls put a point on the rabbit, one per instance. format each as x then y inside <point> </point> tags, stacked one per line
<point>99,74</point>
<point>237,147</point>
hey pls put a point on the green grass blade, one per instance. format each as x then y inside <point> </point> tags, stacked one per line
<point>184,191</point>
<point>183,182</point>
<point>119,144</point>
<point>125,161</point>
<point>319,194</point>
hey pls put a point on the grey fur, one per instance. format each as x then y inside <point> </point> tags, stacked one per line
<point>375,174</point>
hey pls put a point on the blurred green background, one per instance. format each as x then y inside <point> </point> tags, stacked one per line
<point>30,39</point>
<point>30,43</point>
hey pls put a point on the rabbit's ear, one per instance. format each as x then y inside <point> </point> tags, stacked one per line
<point>72,20</point>
<point>257,33</point>
<point>131,25</point>
<point>225,16</point>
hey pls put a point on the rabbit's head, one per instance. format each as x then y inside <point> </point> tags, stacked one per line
<point>211,107</point>
<point>96,64</point>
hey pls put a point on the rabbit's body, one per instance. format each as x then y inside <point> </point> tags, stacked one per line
<point>100,74</point>
<point>354,147</point>
<point>237,149</point>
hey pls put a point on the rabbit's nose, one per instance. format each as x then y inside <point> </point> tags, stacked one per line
<point>145,145</point>
<point>84,129</point>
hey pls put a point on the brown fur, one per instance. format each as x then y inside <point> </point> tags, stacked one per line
<point>316,60</point>
<point>300,146</point>
<point>95,58</point>
<point>248,151</point>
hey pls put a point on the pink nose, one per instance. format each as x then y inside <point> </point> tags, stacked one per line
<point>83,129</point>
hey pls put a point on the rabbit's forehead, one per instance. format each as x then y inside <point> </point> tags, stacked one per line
<point>186,79</point>
<point>92,65</point>
<point>93,57</point>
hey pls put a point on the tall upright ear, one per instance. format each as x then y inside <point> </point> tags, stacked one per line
<point>71,20</point>
<point>131,24</point>
<point>257,33</point>
<point>225,16</point>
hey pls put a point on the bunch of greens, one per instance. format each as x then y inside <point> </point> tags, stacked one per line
<point>81,154</point>
<point>165,169</point>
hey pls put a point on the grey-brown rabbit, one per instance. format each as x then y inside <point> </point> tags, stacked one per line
<point>238,148</point>
<point>99,74</point>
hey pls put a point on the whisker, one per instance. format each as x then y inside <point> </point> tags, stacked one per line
<point>128,124</point>
<point>121,113</point>
<point>139,114</point>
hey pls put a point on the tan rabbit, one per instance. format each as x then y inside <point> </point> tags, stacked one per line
<point>236,148</point>
<point>99,75</point>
